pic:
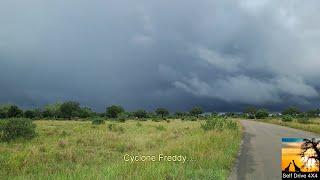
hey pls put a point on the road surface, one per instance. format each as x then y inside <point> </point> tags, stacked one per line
<point>260,153</point>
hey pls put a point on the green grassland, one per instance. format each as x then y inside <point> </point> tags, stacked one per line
<point>312,125</point>
<point>80,150</point>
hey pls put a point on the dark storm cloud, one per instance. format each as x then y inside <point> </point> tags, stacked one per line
<point>144,54</point>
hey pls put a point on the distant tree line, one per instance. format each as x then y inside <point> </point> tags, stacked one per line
<point>254,113</point>
<point>73,110</point>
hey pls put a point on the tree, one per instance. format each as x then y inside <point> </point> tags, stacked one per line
<point>162,112</point>
<point>52,110</point>
<point>293,111</point>
<point>140,113</point>
<point>69,109</point>
<point>4,111</point>
<point>251,112</point>
<point>86,112</point>
<point>262,113</point>
<point>313,113</point>
<point>29,114</point>
<point>114,111</point>
<point>3,114</point>
<point>196,111</point>
<point>311,144</point>
<point>14,111</point>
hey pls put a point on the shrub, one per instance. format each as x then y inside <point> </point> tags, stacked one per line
<point>17,128</point>
<point>196,111</point>
<point>14,111</point>
<point>140,114</point>
<point>69,109</point>
<point>114,111</point>
<point>287,118</point>
<point>262,113</point>
<point>162,112</point>
<point>293,111</point>
<point>217,123</point>
<point>122,117</point>
<point>97,121</point>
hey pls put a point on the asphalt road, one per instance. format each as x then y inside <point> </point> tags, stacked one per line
<point>260,153</point>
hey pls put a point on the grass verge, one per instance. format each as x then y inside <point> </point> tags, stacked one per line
<point>313,125</point>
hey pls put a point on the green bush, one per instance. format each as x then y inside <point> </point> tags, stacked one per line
<point>97,121</point>
<point>287,118</point>
<point>141,114</point>
<point>122,117</point>
<point>262,113</point>
<point>14,128</point>
<point>217,123</point>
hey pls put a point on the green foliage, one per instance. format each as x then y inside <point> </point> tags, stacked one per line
<point>287,118</point>
<point>189,118</point>
<point>262,113</point>
<point>122,117</point>
<point>86,112</point>
<point>29,114</point>
<point>69,109</point>
<point>162,112</point>
<point>313,113</point>
<point>140,114</point>
<point>293,111</point>
<point>214,114</point>
<point>52,111</point>
<point>14,128</point>
<point>114,111</point>
<point>196,111</point>
<point>3,114</point>
<point>217,123</point>
<point>97,121</point>
<point>4,111</point>
<point>180,114</point>
<point>14,111</point>
<point>303,118</point>
<point>33,114</point>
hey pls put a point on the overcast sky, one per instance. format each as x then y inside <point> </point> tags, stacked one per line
<point>220,54</point>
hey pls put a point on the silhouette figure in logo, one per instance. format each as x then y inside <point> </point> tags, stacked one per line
<point>287,168</point>
<point>296,168</point>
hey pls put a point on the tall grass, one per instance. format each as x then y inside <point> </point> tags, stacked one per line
<point>219,123</point>
<point>311,125</point>
<point>80,150</point>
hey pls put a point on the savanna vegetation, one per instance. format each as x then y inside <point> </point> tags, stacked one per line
<point>67,141</point>
<point>291,117</point>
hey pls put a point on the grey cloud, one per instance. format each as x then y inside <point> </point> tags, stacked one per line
<point>143,54</point>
